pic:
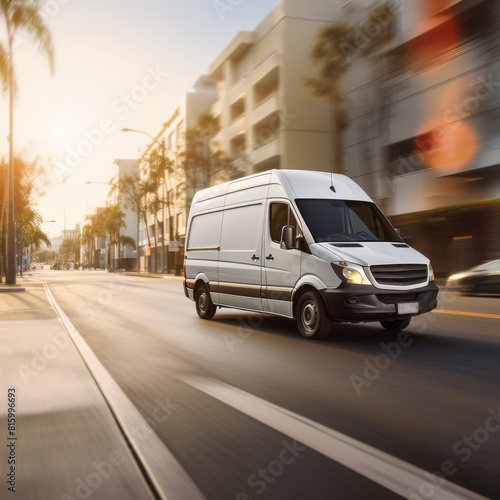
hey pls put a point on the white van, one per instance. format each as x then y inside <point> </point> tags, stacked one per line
<point>305,245</point>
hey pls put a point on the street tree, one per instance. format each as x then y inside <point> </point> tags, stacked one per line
<point>160,168</point>
<point>114,223</point>
<point>133,190</point>
<point>202,159</point>
<point>28,187</point>
<point>337,45</point>
<point>19,16</point>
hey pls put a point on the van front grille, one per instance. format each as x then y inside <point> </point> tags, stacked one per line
<point>397,298</point>
<point>400,274</point>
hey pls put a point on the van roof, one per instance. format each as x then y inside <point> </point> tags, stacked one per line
<point>295,183</point>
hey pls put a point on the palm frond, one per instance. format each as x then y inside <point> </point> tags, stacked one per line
<point>26,16</point>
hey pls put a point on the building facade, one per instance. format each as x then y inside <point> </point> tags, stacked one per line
<point>124,256</point>
<point>167,232</point>
<point>423,127</point>
<point>268,119</point>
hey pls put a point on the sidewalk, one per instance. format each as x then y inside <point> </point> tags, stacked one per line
<point>65,442</point>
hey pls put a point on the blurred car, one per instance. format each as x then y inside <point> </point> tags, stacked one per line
<point>57,266</point>
<point>483,279</point>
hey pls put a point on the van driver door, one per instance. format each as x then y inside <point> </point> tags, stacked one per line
<point>282,267</point>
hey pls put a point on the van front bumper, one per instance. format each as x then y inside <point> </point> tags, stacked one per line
<point>360,303</point>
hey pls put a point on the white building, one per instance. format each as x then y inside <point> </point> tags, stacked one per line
<point>168,237</point>
<point>423,127</point>
<point>124,256</point>
<point>268,119</point>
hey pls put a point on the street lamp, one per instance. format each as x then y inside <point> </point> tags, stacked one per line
<point>163,158</point>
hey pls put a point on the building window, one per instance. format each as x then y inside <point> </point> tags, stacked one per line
<point>267,129</point>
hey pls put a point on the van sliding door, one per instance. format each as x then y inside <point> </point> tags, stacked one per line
<point>240,258</point>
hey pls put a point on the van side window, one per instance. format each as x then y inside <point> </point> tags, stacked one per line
<point>280,215</point>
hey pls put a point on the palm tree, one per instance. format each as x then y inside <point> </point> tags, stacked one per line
<point>114,220</point>
<point>24,16</point>
<point>333,52</point>
<point>328,54</point>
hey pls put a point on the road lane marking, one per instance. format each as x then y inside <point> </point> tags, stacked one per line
<point>390,472</point>
<point>164,471</point>
<point>461,313</point>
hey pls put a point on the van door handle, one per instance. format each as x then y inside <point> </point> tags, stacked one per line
<point>270,257</point>
<point>254,257</point>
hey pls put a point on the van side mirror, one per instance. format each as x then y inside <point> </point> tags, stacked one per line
<point>287,238</point>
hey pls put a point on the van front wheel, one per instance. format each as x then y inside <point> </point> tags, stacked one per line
<point>204,305</point>
<point>312,319</point>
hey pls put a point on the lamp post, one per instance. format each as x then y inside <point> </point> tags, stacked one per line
<point>163,159</point>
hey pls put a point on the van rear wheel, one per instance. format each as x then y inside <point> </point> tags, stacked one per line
<point>204,305</point>
<point>395,325</point>
<point>312,318</point>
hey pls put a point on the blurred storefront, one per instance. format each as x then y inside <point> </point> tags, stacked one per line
<point>456,237</point>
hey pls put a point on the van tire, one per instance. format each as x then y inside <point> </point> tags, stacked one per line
<point>204,305</point>
<point>312,319</point>
<point>395,325</point>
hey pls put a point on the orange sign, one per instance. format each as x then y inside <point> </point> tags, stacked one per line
<point>148,251</point>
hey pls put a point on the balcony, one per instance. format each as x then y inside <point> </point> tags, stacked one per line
<point>266,150</point>
<point>269,106</point>
<point>218,107</point>
<point>238,145</point>
<point>237,127</point>
<point>266,87</point>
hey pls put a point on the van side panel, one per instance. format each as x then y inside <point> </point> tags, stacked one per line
<point>203,247</point>
<point>240,257</point>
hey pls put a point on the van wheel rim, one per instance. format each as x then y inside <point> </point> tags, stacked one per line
<point>203,302</point>
<point>310,317</point>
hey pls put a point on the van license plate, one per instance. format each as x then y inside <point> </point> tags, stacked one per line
<point>407,308</point>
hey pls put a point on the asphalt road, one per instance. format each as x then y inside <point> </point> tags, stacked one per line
<point>431,399</point>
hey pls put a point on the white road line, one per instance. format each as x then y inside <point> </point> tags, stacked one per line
<point>390,472</point>
<point>169,478</point>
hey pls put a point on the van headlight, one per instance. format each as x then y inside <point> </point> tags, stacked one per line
<point>350,273</point>
<point>431,272</point>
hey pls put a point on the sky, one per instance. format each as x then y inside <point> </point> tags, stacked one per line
<point>118,63</point>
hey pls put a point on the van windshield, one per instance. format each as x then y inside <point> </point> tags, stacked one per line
<point>346,220</point>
